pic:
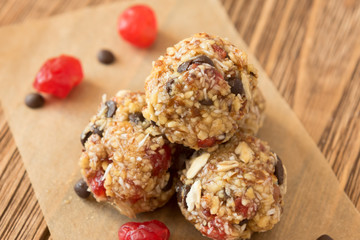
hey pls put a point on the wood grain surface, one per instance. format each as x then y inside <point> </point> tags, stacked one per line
<point>311,51</point>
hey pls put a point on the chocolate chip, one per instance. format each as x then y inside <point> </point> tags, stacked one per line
<point>203,59</point>
<point>34,100</point>
<point>169,183</point>
<point>236,86</point>
<point>206,102</point>
<point>105,56</point>
<point>84,137</point>
<point>279,171</point>
<point>97,131</point>
<point>136,117</point>
<point>184,66</point>
<point>180,155</point>
<point>181,192</point>
<point>111,108</point>
<point>169,85</point>
<point>81,189</point>
<point>324,237</point>
<point>245,221</point>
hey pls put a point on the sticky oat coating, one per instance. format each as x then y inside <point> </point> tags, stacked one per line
<point>234,191</point>
<point>254,118</point>
<point>126,160</point>
<point>198,92</point>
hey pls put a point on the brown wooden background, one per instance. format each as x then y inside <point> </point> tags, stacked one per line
<point>311,51</point>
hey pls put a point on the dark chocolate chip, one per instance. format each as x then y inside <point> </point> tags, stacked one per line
<point>136,117</point>
<point>184,66</point>
<point>236,86</point>
<point>169,183</point>
<point>324,237</point>
<point>203,59</point>
<point>245,221</point>
<point>105,56</point>
<point>169,85</point>
<point>81,189</point>
<point>181,192</point>
<point>34,100</point>
<point>206,102</point>
<point>279,171</point>
<point>186,190</point>
<point>111,108</point>
<point>97,131</point>
<point>180,155</point>
<point>84,137</point>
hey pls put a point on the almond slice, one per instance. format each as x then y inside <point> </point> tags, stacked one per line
<point>193,196</point>
<point>227,165</point>
<point>197,164</point>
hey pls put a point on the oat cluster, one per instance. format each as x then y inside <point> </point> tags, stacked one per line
<point>193,131</point>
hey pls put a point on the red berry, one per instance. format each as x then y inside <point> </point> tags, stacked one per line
<point>138,26</point>
<point>160,160</point>
<point>59,75</point>
<point>97,185</point>
<point>246,211</point>
<point>221,52</point>
<point>208,142</point>
<point>151,230</point>
<point>214,229</point>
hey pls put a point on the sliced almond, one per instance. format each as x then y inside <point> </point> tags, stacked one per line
<point>227,165</point>
<point>246,85</point>
<point>193,196</point>
<point>197,164</point>
<point>244,151</point>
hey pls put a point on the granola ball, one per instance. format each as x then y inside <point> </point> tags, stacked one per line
<point>126,160</point>
<point>234,191</point>
<point>198,92</point>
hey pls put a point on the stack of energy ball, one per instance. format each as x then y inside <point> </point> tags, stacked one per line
<point>192,132</point>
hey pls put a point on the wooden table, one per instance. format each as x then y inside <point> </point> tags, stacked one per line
<point>311,51</point>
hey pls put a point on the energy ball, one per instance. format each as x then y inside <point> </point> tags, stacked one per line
<point>234,191</point>
<point>198,92</point>
<point>126,160</point>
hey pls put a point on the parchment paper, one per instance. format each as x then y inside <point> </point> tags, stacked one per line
<point>48,138</point>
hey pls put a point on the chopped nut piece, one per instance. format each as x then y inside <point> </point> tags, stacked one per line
<point>245,152</point>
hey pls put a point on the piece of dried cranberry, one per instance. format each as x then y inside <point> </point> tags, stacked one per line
<point>97,184</point>
<point>151,230</point>
<point>160,160</point>
<point>219,50</point>
<point>248,210</point>
<point>208,142</point>
<point>59,75</point>
<point>214,229</point>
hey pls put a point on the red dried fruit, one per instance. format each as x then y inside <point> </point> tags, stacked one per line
<point>138,26</point>
<point>151,230</point>
<point>57,76</point>
<point>160,160</point>
<point>96,184</point>
<point>221,52</point>
<point>208,142</point>
<point>246,211</point>
<point>215,229</point>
